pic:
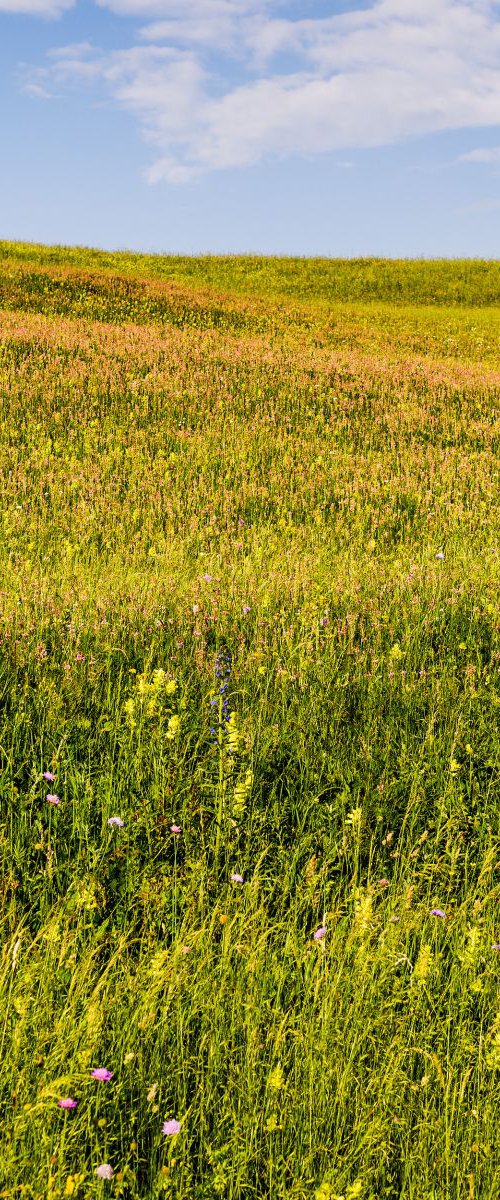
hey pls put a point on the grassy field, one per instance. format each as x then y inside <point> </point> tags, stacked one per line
<point>249,728</point>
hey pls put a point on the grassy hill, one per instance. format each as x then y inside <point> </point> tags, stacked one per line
<point>249,753</point>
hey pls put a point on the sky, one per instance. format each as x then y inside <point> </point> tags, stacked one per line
<point>304,127</point>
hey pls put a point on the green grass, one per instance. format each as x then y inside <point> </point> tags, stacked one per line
<point>245,456</point>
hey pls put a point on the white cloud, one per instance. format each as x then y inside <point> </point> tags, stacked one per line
<point>36,8</point>
<point>365,78</point>
<point>490,154</point>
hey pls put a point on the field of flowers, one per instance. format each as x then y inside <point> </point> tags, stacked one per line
<point>249,728</point>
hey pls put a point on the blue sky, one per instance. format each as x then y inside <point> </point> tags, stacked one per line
<point>336,127</point>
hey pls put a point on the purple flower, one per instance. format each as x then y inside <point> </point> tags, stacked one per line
<point>235,878</point>
<point>320,933</point>
<point>67,1102</point>
<point>440,555</point>
<point>437,912</point>
<point>208,578</point>
<point>104,1171</point>
<point>496,946</point>
<point>246,609</point>
<point>102,1074</point>
<point>116,821</point>
<point>170,1127</point>
<point>52,799</point>
<point>48,776</point>
<point>175,829</point>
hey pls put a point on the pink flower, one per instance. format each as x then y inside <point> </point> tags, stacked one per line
<point>171,1127</point>
<point>105,1171</point>
<point>235,878</point>
<point>67,1102</point>
<point>175,829</point>
<point>102,1074</point>
<point>437,912</point>
<point>48,776</point>
<point>186,949</point>
<point>116,821</point>
<point>383,883</point>
<point>52,799</point>
<point>320,933</point>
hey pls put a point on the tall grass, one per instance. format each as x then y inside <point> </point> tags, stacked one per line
<point>295,502</point>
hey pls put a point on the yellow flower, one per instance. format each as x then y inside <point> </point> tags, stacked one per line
<point>173,727</point>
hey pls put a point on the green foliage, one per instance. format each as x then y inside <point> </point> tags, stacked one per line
<point>310,489</point>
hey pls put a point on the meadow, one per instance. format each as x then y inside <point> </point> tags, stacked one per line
<point>249,728</point>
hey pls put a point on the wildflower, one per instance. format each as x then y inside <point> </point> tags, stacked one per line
<point>496,946</point>
<point>208,578</point>
<point>171,1127</point>
<point>116,821</point>
<point>437,912</point>
<point>175,829</point>
<point>246,609</point>
<point>67,1102</point>
<point>105,1171</point>
<point>383,883</point>
<point>440,555</point>
<point>48,776</point>
<point>186,949</point>
<point>51,799</point>
<point>236,878</point>
<point>102,1074</point>
<point>173,727</point>
<point>320,933</point>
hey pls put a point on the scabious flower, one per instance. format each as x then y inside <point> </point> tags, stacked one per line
<point>48,776</point>
<point>102,1074</point>
<point>320,933</point>
<point>437,912</point>
<point>246,609</point>
<point>51,799</point>
<point>235,878</point>
<point>67,1102</point>
<point>116,821</point>
<point>496,946</point>
<point>440,555</point>
<point>171,1127</point>
<point>175,829</point>
<point>105,1171</point>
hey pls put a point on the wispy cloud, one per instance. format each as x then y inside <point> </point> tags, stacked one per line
<point>36,8</point>
<point>488,154</point>
<point>364,78</point>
